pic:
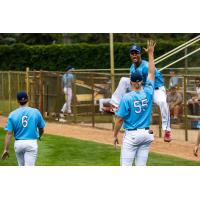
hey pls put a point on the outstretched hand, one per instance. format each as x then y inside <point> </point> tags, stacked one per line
<point>5,155</point>
<point>195,150</point>
<point>115,142</point>
<point>150,46</point>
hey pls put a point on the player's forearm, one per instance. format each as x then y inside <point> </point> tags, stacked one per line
<point>8,139</point>
<point>118,125</point>
<point>41,132</point>
<point>150,49</point>
<point>151,64</point>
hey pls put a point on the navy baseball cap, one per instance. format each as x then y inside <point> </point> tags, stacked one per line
<point>22,96</point>
<point>135,48</point>
<point>136,77</point>
<point>69,67</point>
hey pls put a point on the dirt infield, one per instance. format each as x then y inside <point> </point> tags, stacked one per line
<point>177,148</point>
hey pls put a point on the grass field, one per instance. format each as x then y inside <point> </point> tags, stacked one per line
<point>4,106</point>
<point>62,151</point>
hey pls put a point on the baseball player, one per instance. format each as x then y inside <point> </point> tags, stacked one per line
<point>24,122</point>
<point>67,80</point>
<point>159,97</point>
<point>135,112</point>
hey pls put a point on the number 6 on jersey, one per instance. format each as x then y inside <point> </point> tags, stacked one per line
<point>24,121</point>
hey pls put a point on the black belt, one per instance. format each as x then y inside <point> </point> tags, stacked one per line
<point>157,88</point>
<point>134,129</point>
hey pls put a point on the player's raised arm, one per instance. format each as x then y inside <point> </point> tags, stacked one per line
<point>150,50</point>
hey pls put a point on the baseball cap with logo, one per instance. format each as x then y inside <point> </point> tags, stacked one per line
<point>135,48</point>
<point>22,96</point>
<point>136,77</point>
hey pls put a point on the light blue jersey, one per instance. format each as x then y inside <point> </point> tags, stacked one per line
<point>143,69</point>
<point>67,80</point>
<point>173,81</point>
<point>198,124</point>
<point>24,122</point>
<point>136,106</point>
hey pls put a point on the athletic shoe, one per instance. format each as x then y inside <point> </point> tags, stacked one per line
<point>150,132</point>
<point>61,115</point>
<point>62,120</point>
<point>167,136</point>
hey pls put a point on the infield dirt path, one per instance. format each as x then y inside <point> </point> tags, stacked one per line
<point>176,148</point>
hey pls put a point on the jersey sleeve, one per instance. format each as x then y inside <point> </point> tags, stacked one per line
<point>123,110</point>
<point>9,125</point>
<point>149,86</point>
<point>131,68</point>
<point>41,122</point>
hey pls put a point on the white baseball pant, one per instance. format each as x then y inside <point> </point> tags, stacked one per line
<point>68,99</point>
<point>26,152</point>
<point>123,86</point>
<point>159,98</point>
<point>135,146</point>
<point>102,102</point>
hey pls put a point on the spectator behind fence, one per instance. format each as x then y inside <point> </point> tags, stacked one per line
<point>67,81</point>
<point>173,81</point>
<point>194,102</point>
<point>174,100</point>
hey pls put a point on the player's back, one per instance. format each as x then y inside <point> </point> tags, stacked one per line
<point>24,122</point>
<point>136,107</point>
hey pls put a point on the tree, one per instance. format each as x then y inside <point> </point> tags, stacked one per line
<point>30,38</point>
<point>92,38</point>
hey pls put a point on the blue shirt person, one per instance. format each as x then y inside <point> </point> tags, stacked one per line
<point>24,123</point>
<point>173,81</point>
<point>67,81</point>
<point>134,113</point>
<point>136,107</point>
<point>143,69</point>
<point>27,125</point>
<point>141,66</point>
